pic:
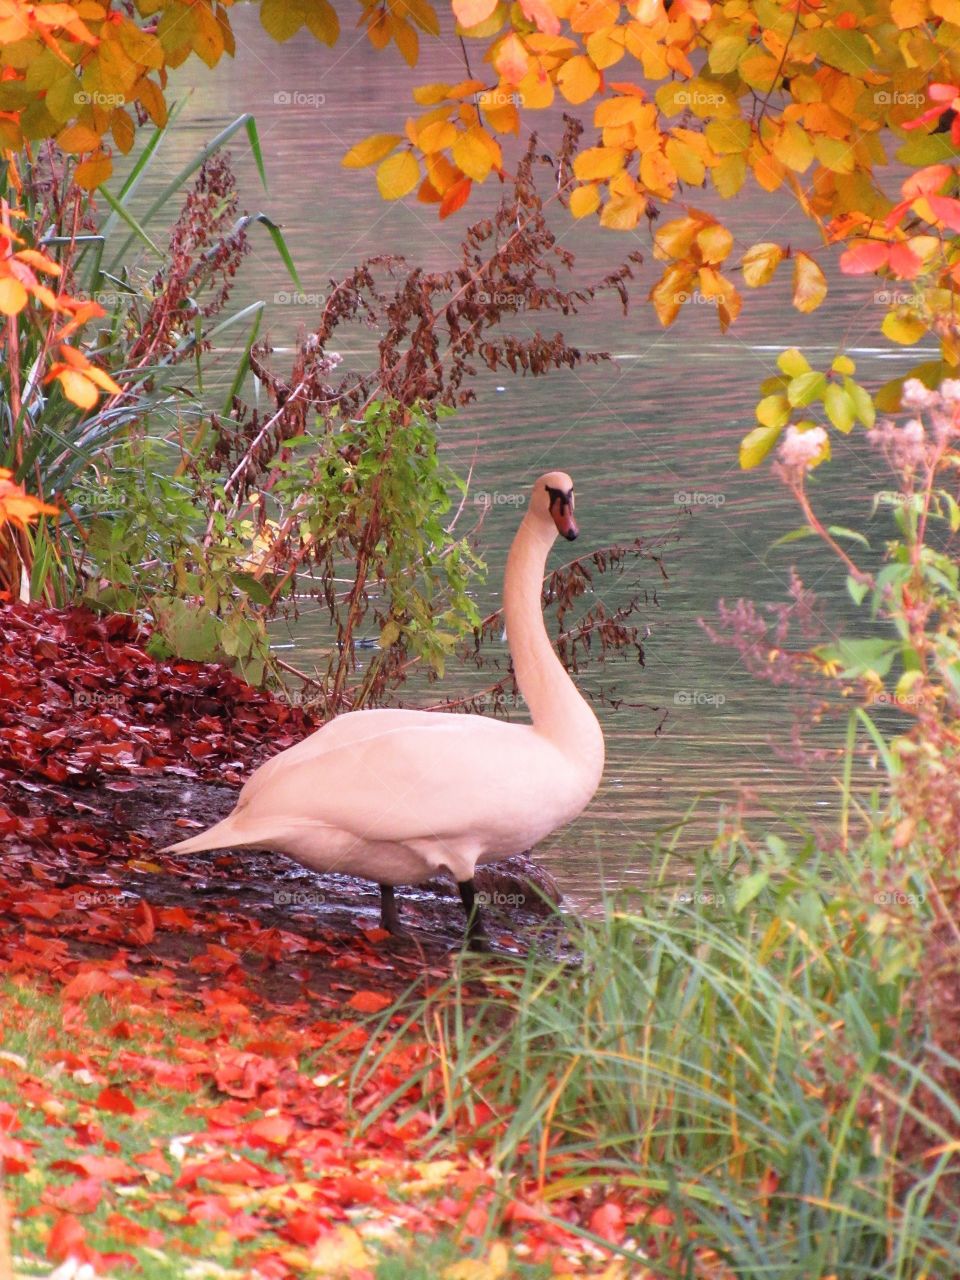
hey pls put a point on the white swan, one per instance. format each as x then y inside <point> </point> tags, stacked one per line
<point>396,796</point>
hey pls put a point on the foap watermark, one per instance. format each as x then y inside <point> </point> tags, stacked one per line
<point>298,98</point>
<point>898,898</point>
<point>897,98</point>
<point>498,899</point>
<point>84,899</point>
<point>94,698</point>
<point>699,898</point>
<point>698,698</point>
<point>289,298</point>
<point>498,499</point>
<point>897,298</point>
<point>499,701</point>
<point>694,98</point>
<point>501,299</point>
<point>698,498</point>
<point>298,898</point>
<point>697,298</point>
<point>498,98</point>
<point>94,98</point>
<point>885,698</point>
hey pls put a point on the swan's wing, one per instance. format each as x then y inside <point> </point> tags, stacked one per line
<point>436,775</point>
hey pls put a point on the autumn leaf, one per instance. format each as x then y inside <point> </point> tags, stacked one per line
<point>809,283</point>
<point>369,1001</point>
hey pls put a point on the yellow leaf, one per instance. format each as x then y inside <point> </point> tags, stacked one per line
<point>809,283</point>
<point>470,13</point>
<point>618,111</point>
<point>671,291</point>
<point>599,163</point>
<point>370,150</point>
<point>152,100</point>
<point>714,242</point>
<point>208,36</point>
<point>536,90</point>
<point>140,46</point>
<point>756,444</point>
<point>578,79</point>
<point>406,39</point>
<point>908,13</point>
<point>420,12</point>
<point>13,296</point>
<point>688,164</point>
<point>728,137</point>
<point>473,153</point>
<point>78,137</point>
<point>494,1267</point>
<point>657,173</point>
<point>91,173</point>
<point>793,147</point>
<point>428,95</point>
<point>729,175</point>
<point>77,388</point>
<point>904,326</point>
<point>323,22</point>
<point>436,136</point>
<point>673,239</point>
<point>398,175</point>
<point>760,262</point>
<point>585,200</point>
<point>622,213</point>
<point>280,19</point>
<point>499,107</point>
<point>606,47</point>
<point>340,1254</point>
<point>123,130</point>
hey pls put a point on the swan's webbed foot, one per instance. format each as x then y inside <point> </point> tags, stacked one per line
<point>476,937</point>
<point>389,915</point>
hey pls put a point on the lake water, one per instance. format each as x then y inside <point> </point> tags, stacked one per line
<point>662,419</point>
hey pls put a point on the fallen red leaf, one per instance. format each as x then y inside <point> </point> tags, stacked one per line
<point>117,1102</point>
<point>369,1001</point>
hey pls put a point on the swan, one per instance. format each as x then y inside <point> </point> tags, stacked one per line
<point>396,796</point>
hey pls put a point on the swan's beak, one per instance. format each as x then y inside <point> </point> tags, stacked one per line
<point>565,523</point>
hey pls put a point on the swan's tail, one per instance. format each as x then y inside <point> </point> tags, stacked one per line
<point>228,834</point>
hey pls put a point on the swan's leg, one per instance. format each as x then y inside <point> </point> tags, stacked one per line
<point>389,917</point>
<point>476,935</point>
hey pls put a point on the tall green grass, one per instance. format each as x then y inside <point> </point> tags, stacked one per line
<point>730,1049</point>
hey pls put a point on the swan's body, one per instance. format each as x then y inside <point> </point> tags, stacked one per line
<point>396,795</point>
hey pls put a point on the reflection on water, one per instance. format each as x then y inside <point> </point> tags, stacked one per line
<point>648,436</point>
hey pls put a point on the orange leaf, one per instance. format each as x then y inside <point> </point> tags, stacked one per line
<point>455,197</point>
<point>369,1001</point>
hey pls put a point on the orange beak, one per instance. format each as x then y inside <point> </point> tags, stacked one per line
<point>563,519</point>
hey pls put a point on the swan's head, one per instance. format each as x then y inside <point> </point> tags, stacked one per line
<point>553,500</point>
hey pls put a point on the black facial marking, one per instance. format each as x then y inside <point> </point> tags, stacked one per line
<point>558,495</point>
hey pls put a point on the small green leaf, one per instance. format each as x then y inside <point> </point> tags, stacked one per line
<point>750,886</point>
<point>856,590</point>
<point>851,535</point>
<point>839,408</point>
<point>805,388</point>
<point>756,444</point>
<point>862,402</point>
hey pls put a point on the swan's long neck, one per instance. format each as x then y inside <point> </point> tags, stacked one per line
<point>556,707</point>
